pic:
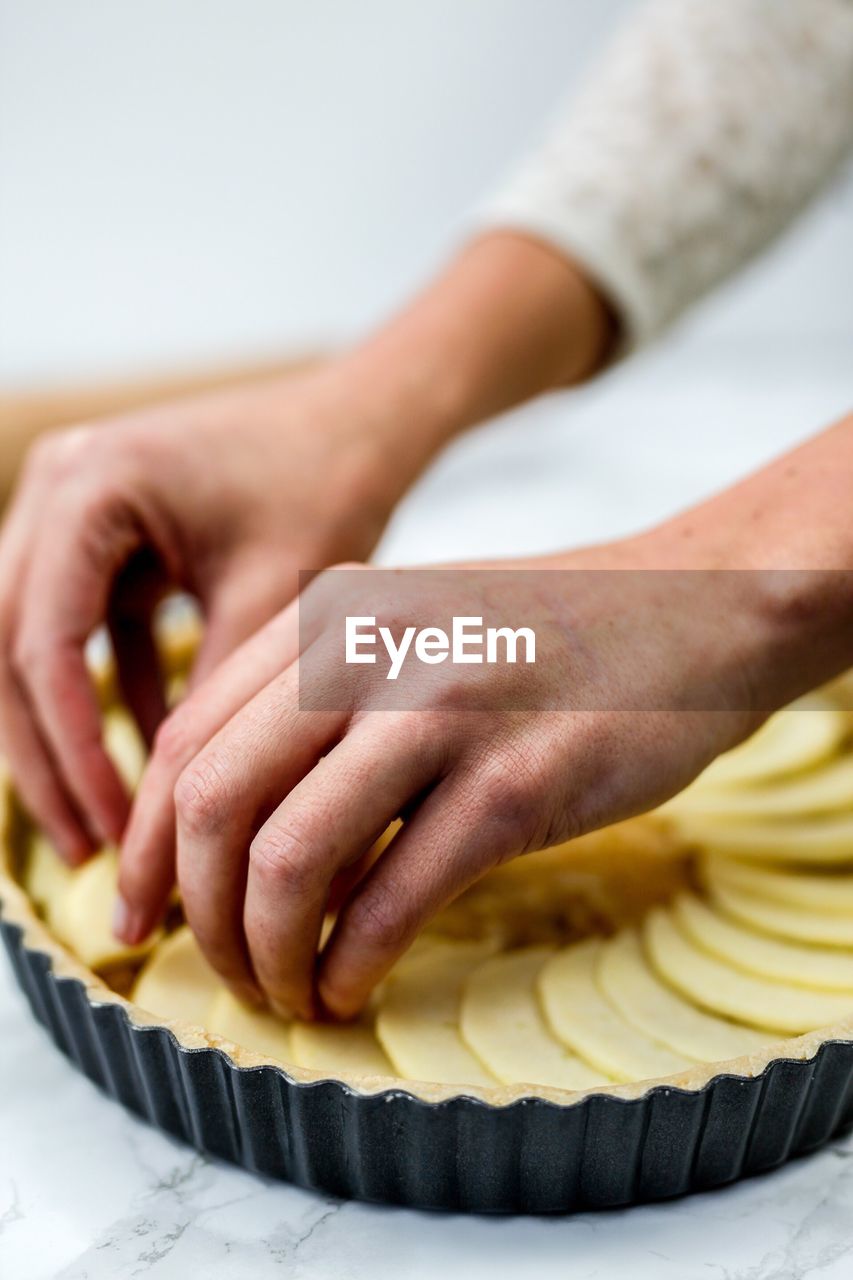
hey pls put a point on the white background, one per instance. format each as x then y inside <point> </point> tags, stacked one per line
<point>183,181</point>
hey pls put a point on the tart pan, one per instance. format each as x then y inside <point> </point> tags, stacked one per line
<point>410,1145</point>
<point>507,1149</point>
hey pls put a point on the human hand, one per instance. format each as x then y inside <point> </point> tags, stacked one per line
<point>229,495</point>
<point>226,496</point>
<point>284,772</point>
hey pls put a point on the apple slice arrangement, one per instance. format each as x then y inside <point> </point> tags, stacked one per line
<point>752,942</point>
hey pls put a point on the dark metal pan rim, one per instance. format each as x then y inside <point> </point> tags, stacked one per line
<point>459,1152</point>
<point>400,1091</point>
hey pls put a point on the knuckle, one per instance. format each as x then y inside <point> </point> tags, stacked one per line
<point>174,740</point>
<point>73,445</point>
<point>61,453</point>
<point>322,593</point>
<point>202,797</point>
<point>42,455</point>
<point>512,793</point>
<point>280,855</point>
<point>347,565</point>
<point>425,737</point>
<point>33,655</point>
<point>380,921</point>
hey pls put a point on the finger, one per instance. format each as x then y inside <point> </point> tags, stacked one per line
<point>455,836</point>
<point>35,776</point>
<point>221,799</point>
<point>147,857</point>
<point>65,598</point>
<point>329,821</point>
<point>138,590</point>
<point>33,770</point>
<point>348,877</point>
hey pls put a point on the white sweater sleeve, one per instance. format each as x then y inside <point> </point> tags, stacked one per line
<point>703,131</point>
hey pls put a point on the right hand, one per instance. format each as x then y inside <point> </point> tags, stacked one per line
<point>226,496</point>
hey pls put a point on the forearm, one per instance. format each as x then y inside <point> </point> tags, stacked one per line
<point>507,320</point>
<point>792,514</point>
<point>786,533</point>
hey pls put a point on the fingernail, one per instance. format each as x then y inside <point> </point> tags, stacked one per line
<point>129,923</point>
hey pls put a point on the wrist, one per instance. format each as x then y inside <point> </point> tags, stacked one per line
<point>784,630</point>
<point>508,320</point>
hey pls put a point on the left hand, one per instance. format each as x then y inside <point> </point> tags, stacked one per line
<point>276,804</point>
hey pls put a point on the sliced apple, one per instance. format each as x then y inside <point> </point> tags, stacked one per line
<point>824,841</point>
<point>581,1016</point>
<point>177,983</point>
<point>740,946</point>
<point>502,1023</point>
<point>83,917</point>
<point>125,746</point>
<point>826,790</point>
<point>797,924</point>
<point>254,1029</point>
<point>800,737</point>
<point>718,986</point>
<point>45,877</point>
<point>344,1049</point>
<point>418,1019</point>
<point>829,893</point>
<point>650,1005</point>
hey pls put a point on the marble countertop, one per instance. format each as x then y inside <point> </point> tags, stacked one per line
<point>89,1192</point>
